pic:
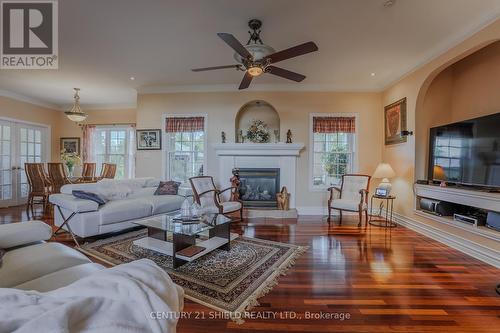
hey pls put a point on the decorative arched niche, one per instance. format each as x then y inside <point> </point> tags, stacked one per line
<point>257,110</point>
<point>464,88</point>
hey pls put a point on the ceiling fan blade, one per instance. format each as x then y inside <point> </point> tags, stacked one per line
<point>285,73</point>
<point>293,52</point>
<point>246,81</point>
<point>214,68</point>
<point>235,45</point>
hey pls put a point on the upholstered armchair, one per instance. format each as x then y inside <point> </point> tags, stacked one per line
<point>210,198</point>
<point>352,196</point>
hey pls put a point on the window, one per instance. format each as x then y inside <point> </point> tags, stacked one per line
<point>114,145</point>
<point>333,153</point>
<point>448,155</point>
<point>185,147</point>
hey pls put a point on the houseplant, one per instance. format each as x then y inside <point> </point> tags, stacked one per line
<point>70,160</point>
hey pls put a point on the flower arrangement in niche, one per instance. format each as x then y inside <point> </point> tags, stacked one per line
<point>70,159</point>
<point>258,132</point>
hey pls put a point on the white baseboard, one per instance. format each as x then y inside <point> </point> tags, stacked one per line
<point>473,249</point>
<point>319,210</point>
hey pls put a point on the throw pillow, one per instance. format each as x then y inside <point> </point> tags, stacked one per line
<point>89,196</point>
<point>168,188</point>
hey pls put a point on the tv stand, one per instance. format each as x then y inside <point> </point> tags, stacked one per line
<point>489,201</point>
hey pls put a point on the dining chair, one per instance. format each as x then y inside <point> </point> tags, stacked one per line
<point>352,196</point>
<point>58,176</point>
<point>210,199</point>
<point>108,171</point>
<point>38,187</point>
<point>88,172</point>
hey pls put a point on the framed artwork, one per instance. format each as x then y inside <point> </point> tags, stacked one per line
<point>148,139</point>
<point>71,145</point>
<point>395,122</point>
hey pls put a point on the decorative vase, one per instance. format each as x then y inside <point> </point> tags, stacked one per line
<point>186,208</point>
<point>196,210</point>
<point>70,170</point>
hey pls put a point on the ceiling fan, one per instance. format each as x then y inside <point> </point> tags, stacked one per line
<point>256,58</point>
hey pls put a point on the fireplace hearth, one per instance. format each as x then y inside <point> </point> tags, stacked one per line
<point>258,187</point>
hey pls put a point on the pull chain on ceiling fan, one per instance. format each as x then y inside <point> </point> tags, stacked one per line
<point>256,58</point>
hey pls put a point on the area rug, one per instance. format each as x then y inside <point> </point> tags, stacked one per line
<point>228,281</point>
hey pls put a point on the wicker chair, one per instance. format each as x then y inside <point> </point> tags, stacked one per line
<point>88,173</point>
<point>352,196</point>
<point>108,171</point>
<point>39,187</point>
<point>58,177</point>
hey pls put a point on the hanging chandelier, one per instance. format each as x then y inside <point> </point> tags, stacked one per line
<point>76,114</point>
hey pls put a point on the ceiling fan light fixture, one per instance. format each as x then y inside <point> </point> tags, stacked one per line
<point>255,70</point>
<point>76,114</point>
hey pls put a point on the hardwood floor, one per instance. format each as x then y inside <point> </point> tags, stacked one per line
<point>384,280</point>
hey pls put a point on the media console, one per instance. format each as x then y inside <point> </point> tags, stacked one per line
<point>463,208</point>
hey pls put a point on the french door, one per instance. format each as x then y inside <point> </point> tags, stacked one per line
<point>19,143</point>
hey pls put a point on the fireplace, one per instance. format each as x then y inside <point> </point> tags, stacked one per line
<point>258,187</point>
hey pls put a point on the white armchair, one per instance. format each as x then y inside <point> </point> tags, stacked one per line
<point>210,199</point>
<point>352,196</point>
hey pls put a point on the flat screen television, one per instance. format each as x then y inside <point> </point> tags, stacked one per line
<point>467,152</point>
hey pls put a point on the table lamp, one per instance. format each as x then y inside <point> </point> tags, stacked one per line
<point>384,171</point>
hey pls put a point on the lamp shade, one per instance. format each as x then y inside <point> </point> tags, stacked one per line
<point>384,170</point>
<point>439,173</point>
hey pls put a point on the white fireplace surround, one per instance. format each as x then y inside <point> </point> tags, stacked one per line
<point>260,155</point>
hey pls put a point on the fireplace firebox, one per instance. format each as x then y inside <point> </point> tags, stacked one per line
<point>258,187</point>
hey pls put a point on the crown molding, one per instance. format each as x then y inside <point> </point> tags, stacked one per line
<point>27,99</point>
<point>257,87</point>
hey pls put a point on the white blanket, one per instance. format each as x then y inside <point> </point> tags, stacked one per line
<point>119,299</point>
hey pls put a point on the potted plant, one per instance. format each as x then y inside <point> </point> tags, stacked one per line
<point>258,132</point>
<point>70,160</point>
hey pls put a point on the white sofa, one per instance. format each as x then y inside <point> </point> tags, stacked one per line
<point>32,264</point>
<point>128,200</point>
<point>48,287</point>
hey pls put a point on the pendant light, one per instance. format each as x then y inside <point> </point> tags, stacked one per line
<point>76,114</point>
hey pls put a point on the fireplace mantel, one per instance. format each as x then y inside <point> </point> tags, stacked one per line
<point>258,149</point>
<point>260,155</point>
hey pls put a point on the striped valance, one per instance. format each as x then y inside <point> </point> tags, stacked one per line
<point>184,124</point>
<point>334,124</point>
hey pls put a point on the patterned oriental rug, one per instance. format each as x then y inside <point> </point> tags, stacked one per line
<point>228,281</point>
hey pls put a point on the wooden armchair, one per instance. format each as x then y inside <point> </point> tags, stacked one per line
<point>352,196</point>
<point>210,199</point>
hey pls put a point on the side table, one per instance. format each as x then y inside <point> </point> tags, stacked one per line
<point>379,220</point>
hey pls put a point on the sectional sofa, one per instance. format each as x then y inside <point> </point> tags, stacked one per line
<point>126,201</point>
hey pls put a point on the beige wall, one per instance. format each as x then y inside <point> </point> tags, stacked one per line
<point>60,126</point>
<point>23,111</point>
<point>467,100</point>
<point>293,108</point>
<point>69,128</point>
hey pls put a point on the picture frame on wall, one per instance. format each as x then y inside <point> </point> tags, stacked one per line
<point>148,139</point>
<point>395,122</point>
<point>70,145</point>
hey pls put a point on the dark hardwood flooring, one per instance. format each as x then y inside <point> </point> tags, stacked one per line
<point>385,280</point>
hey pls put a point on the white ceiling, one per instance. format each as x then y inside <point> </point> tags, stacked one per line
<point>103,43</point>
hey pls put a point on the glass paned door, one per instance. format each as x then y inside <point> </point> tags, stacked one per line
<point>19,143</point>
<point>6,168</point>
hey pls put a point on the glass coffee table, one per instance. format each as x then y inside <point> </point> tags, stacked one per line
<point>167,236</point>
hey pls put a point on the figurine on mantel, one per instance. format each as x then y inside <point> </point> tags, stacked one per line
<point>289,136</point>
<point>240,136</point>
<point>223,137</point>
